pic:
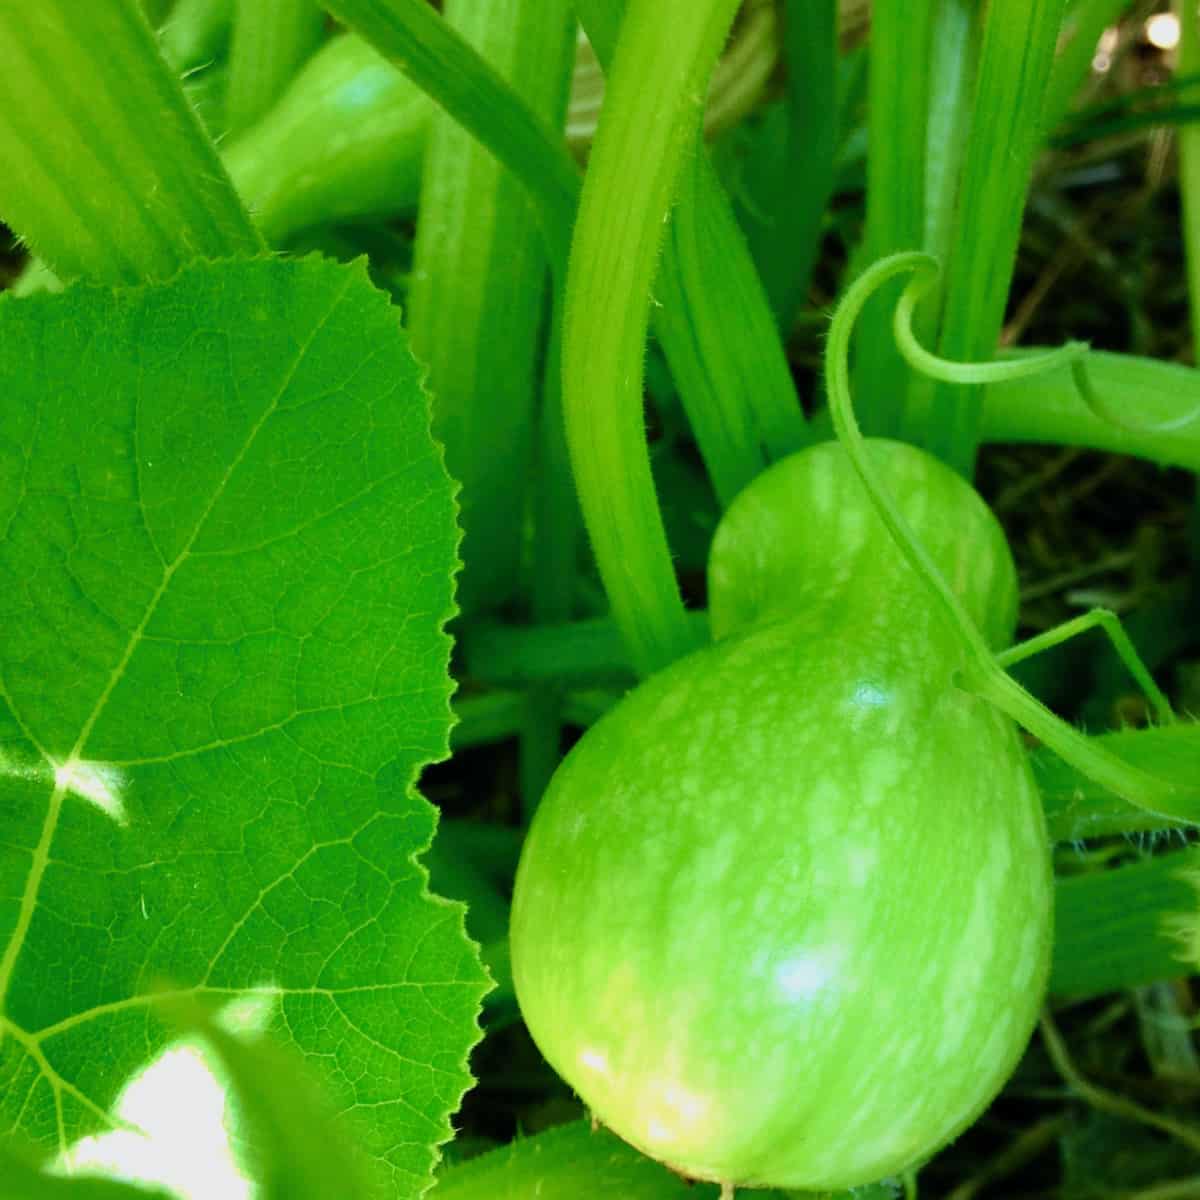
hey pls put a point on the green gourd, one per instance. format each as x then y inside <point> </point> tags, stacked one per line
<point>344,142</point>
<point>783,917</point>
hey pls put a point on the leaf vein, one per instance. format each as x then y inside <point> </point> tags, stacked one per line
<point>41,854</point>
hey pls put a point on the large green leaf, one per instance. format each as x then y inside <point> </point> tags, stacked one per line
<point>226,554</point>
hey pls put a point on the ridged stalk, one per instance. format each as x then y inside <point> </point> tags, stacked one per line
<point>413,36</point>
<point>475,307</point>
<point>652,112</point>
<point>108,174</point>
<point>1015,63</point>
<point>713,318</point>
<point>271,40</point>
<point>899,58</point>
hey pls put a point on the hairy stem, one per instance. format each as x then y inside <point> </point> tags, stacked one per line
<point>270,43</point>
<point>416,39</point>
<point>108,174</point>
<point>651,114</point>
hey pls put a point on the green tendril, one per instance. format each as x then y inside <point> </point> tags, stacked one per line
<point>1102,409</point>
<point>947,371</point>
<point>1071,355</point>
<point>982,675</point>
<point>1110,624</point>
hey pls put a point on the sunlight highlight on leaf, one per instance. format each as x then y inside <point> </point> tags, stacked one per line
<point>178,1119</point>
<point>98,783</point>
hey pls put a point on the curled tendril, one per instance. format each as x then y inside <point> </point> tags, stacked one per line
<point>981,674</point>
<point>1072,355</point>
<point>948,371</point>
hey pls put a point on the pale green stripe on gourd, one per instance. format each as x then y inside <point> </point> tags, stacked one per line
<point>797,536</point>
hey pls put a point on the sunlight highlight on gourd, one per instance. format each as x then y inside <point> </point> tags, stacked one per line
<point>673,1111</point>
<point>810,973</point>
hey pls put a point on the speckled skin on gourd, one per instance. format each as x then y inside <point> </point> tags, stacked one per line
<point>783,917</point>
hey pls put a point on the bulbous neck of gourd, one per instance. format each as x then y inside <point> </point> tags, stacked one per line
<point>805,534</point>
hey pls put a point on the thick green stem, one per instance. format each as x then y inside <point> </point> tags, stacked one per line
<point>1086,21</point>
<point>270,43</point>
<point>899,63</point>
<point>579,652</point>
<point>737,387</point>
<point>791,232</point>
<point>785,179</point>
<point>556,527</point>
<point>1155,397</point>
<point>108,174</point>
<point>1113,929</point>
<point>492,717</point>
<point>713,318</point>
<point>953,62</point>
<point>652,110</point>
<point>1016,59</point>
<point>476,310</point>
<point>414,37</point>
<point>720,338</point>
